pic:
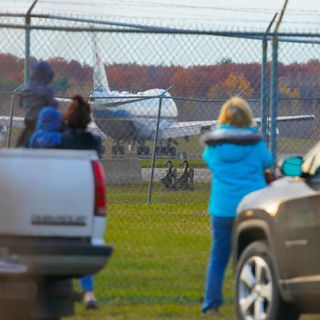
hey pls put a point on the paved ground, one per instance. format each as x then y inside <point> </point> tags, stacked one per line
<point>128,171</point>
<point>200,175</point>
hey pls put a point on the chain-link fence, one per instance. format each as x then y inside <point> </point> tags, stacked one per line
<point>153,93</point>
<point>298,92</point>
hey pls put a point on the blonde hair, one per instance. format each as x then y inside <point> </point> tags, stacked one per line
<point>236,112</point>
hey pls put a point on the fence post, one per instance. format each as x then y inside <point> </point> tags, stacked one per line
<point>13,95</point>
<point>10,120</point>
<point>264,100</point>
<point>9,135</point>
<point>274,97</point>
<point>155,142</point>
<point>264,84</point>
<point>27,51</point>
<point>274,85</point>
<point>27,43</point>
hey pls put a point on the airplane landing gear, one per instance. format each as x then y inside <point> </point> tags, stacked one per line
<point>143,151</point>
<point>168,150</point>
<point>117,150</point>
<point>161,150</point>
<point>172,151</point>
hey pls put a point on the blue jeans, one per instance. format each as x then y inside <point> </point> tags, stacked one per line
<point>220,254</point>
<point>87,283</point>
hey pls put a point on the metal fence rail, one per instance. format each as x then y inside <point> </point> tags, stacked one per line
<point>144,126</point>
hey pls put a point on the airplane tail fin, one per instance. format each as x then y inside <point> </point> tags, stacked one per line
<point>100,80</point>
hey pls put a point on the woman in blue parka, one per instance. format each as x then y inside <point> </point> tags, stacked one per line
<point>237,158</point>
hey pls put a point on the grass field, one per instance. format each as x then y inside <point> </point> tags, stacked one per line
<point>161,252</point>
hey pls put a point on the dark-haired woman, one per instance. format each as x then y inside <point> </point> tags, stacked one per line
<point>76,136</point>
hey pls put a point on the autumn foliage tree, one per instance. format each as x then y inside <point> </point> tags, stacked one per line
<point>215,82</point>
<point>231,86</point>
<point>287,92</point>
<point>237,83</point>
<point>185,85</point>
<point>216,92</point>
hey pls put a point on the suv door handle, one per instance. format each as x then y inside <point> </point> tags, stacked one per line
<point>296,243</point>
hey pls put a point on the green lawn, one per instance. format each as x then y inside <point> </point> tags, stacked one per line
<point>158,268</point>
<point>295,146</point>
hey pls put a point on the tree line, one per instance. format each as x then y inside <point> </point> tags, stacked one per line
<point>218,81</point>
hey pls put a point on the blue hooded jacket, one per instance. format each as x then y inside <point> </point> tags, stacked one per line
<point>37,94</point>
<point>47,133</point>
<point>237,168</point>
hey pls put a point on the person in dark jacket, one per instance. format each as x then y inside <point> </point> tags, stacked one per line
<point>34,97</point>
<point>237,157</point>
<point>77,117</point>
<point>76,136</point>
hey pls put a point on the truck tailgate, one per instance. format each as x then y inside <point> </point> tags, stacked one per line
<point>46,192</point>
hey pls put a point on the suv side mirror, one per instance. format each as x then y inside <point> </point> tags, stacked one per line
<point>292,166</point>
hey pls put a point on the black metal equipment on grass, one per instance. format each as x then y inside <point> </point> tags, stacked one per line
<point>172,180</point>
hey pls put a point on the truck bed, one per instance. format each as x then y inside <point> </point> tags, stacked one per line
<point>47,193</point>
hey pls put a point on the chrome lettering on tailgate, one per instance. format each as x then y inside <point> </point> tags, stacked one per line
<point>60,220</point>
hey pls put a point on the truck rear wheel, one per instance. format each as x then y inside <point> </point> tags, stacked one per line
<point>55,299</point>
<point>9,310</point>
<point>46,318</point>
<point>257,295</point>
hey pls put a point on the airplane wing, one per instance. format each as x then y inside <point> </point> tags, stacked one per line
<point>167,129</point>
<point>18,122</point>
<point>63,100</point>
<point>289,118</point>
<point>92,127</point>
<point>192,128</point>
<point>184,129</point>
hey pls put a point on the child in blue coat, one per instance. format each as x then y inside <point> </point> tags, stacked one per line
<point>48,129</point>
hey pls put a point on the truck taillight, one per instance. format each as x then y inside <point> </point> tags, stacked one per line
<point>100,189</point>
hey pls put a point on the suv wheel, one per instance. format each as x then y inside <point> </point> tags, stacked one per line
<point>257,295</point>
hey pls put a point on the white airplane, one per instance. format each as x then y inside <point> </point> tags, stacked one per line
<point>132,118</point>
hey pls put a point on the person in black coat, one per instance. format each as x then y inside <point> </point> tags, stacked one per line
<point>76,136</point>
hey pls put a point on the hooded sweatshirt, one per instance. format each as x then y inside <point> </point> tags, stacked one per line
<point>47,133</point>
<point>37,94</point>
<point>237,167</point>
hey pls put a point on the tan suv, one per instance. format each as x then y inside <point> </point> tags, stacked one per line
<point>276,245</point>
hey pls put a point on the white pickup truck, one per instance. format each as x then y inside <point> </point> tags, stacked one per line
<point>52,228</point>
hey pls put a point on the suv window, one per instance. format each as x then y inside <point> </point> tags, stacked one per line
<point>312,160</point>
<point>314,171</point>
<point>314,168</point>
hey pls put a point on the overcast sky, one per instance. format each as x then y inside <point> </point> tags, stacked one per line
<point>252,14</point>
